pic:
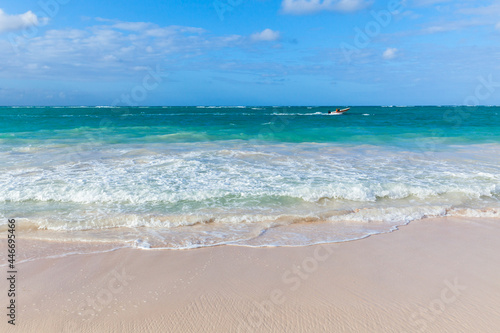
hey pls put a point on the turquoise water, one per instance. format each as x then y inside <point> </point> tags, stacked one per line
<point>397,126</point>
<point>181,177</point>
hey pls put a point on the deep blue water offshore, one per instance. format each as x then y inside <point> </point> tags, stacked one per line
<point>181,177</point>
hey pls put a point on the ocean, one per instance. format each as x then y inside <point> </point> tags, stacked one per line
<point>101,178</point>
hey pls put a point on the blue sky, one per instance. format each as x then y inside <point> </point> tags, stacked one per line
<point>249,52</point>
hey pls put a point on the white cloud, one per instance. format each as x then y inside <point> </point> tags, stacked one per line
<point>110,47</point>
<point>148,28</point>
<point>492,10</point>
<point>390,53</point>
<point>453,26</point>
<point>312,6</point>
<point>110,58</point>
<point>458,16</point>
<point>132,26</point>
<point>266,35</point>
<point>156,31</point>
<point>17,22</point>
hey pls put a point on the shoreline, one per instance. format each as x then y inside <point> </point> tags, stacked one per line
<point>432,275</point>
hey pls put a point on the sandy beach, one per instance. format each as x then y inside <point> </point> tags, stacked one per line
<point>434,275</point>
<point>250,166</point>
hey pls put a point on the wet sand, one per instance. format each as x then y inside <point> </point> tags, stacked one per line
<point>434,275</point>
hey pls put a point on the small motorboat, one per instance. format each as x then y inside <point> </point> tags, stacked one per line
<point>339,111</point>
